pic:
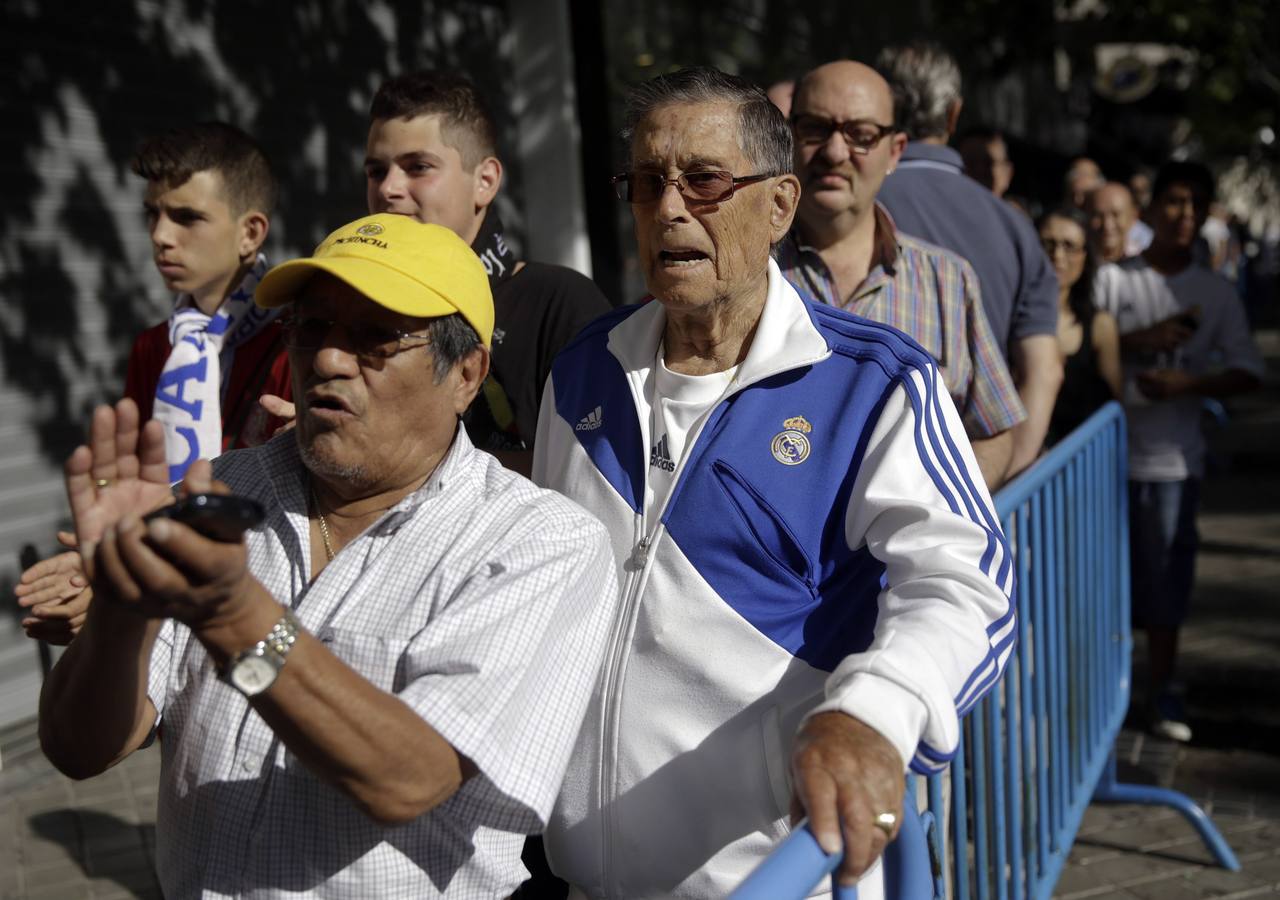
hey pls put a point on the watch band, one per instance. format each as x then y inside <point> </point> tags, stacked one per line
<point>254,670</point>
<point>283,634</point>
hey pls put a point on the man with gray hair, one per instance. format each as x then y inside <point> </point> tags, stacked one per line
<point>927,198</point>
<point>815,582</point>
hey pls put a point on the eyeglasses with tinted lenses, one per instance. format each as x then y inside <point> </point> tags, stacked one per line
<point>861,135</point>
<point>1051,247</point>
<point>701,187</point>
<point>365,339</point>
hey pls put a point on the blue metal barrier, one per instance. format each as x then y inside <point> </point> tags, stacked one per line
<point>1039,746</point>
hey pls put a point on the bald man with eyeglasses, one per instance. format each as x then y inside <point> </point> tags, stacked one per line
<point>845,251</point>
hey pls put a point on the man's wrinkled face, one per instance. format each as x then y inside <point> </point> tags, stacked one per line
<point>411,171</point>
<point>1111,215</point>
<point>196,239</point>
<point>366,422</point>
<point>1177,214</point>
<point>834,178</point>
<point>696,254</point>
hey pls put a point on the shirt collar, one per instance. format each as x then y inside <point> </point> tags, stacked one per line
<point>291,481</point>
<point>935,156</point>
<point>786,336</point>
<point>884,244</point>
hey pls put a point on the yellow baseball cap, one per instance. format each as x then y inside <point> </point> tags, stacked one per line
<point>405,265</point>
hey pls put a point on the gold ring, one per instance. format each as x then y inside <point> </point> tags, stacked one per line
<point>885,822</point>
<point>101,483</point>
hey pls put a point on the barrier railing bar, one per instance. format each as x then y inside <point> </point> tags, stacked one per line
<point>937,805</point>
<point>981,858</point>
<point>1018,725</point>
<point>959,819</point>
<point>1030,713</point>
<point>1058,658</point>
<point>998,774</point>
<point>1044,811</point>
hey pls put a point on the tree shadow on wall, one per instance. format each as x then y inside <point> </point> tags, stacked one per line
<point>84,83</point>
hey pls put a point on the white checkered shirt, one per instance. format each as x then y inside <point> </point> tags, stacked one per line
<point>481,601</point>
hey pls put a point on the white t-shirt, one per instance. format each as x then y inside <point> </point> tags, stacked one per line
<point>1165,443</point>
<point>679,404</point>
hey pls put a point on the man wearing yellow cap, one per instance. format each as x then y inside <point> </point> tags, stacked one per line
<point>364,696</point>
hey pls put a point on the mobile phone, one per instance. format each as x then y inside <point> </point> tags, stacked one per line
<point>223,517</point>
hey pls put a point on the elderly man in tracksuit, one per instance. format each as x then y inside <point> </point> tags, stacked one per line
<point>815,582</point>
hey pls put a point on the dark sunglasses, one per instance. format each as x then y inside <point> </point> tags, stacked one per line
<point>701,187</point>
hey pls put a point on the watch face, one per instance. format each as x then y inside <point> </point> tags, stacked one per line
<point>253,675</point>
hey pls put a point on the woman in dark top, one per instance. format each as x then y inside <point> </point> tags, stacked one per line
<point>1087,337</point>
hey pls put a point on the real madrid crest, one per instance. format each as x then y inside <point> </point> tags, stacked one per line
<point>791,446</point>
<point>370,229</point>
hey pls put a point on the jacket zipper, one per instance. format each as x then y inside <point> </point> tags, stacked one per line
<point>638,563</point>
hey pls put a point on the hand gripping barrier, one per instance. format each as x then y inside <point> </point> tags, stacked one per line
<point>1039,747</point>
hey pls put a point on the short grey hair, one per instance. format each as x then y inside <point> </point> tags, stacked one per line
<point>763,133</point>
<point>452,339</point>
<point>925,81</point>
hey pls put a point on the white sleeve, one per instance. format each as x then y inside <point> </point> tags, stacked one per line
<point>946,620</point>
<point>1105,284</point>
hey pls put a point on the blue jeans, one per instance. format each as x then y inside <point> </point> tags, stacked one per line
<point>1162,549</point>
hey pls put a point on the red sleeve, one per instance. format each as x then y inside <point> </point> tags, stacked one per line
<point>146,362</point>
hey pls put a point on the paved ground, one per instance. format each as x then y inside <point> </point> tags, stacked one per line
<point>62,839</point>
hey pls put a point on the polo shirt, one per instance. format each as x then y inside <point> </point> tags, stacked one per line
<point>931,295</point>
<point>929,197</point>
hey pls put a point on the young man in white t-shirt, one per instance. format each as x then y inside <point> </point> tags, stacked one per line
<point>1184,337</point>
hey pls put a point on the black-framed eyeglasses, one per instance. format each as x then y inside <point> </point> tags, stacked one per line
<point>861,135</point>
<point>700,187</point>
<point>366,340</point>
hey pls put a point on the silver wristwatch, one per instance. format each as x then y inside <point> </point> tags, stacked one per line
<point>254,670</point>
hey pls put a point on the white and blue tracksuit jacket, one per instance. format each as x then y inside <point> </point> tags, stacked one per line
<point>828,544</point>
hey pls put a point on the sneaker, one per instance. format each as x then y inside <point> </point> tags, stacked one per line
<point>1169,719</point>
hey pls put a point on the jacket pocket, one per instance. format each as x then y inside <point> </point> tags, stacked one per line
<point>771,532</point>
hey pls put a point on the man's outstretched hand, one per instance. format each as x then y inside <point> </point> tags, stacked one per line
<point>845,774</point>
<point>121,471</point>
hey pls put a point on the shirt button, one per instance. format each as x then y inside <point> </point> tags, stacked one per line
<point>247,765</point>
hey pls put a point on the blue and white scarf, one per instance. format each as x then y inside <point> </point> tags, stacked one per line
<point>189,396</point>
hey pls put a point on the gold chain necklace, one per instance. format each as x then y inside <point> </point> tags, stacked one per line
<point>324,526</point>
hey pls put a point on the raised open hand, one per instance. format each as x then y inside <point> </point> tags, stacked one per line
<point>121,471</point>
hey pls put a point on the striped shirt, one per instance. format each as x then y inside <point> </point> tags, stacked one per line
<point>480,601</point>
<point>931,295</point>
